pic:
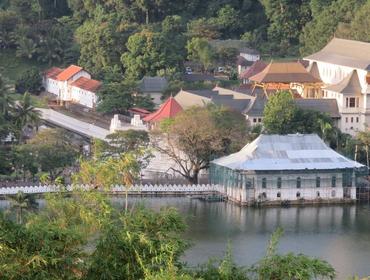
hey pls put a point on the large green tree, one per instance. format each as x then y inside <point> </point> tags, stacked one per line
<point>279,113</point>
<point>198,135</point>
<point>316,34</point>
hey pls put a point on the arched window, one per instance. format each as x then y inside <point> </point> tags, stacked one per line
<point>279,182</point>
<point>278,195</point>
<point>333,181</point>
<point>298,195</point>
<point>298,182</point>
<point>264,183</point>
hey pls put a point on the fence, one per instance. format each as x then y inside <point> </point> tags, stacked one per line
<point>137,189</point>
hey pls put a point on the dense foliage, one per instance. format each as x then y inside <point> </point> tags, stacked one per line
<point>85,237</point>
<point>144,37</point>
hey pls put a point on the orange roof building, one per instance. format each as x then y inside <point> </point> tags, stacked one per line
<point>53,72</point>
<point>169,109</point>
<point>68,73</point>
<point>87,84</point>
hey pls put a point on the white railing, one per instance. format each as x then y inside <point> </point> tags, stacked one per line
<point>116,189</point>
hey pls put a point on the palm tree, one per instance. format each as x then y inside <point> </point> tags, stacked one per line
<point>22,202</point>
<point>25,114</point>
<point>26,48</point>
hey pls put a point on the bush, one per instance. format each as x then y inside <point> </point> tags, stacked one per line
<point>29,81</point>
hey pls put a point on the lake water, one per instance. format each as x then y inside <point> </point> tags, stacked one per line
<point>338,234</point>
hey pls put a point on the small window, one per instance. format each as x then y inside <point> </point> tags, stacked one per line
<point>351,119</point>
<point>279,182</point>
<point>346,119</point>
<point>264,183</point>
<point>264,195</point>
<point>298,195</point>
<point>259,120</point>
<point>254,120</point>
<point>298,182</point>
<point>357,119</point>
<point>278,195</point>
<point>317,182</point>
<point>318,194</point>
<point>333,181</point>
<point>351,102</point>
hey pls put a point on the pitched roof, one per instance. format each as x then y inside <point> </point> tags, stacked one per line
<point>242,61</point>
<point>236,101</point>
<point>87,84</point>
<point>287,152</point>
<point>53,72</point>
<point>169,109</point>
<point>313,69</point>
<point>153,84</point>
<point>326,106</point>
<point>284,72</point>
<point>343,52</point>
<point>256,68</point>
<point>258,105</point>
<point>249,51</point>
<point>349,85</point>
<point>69,72</point>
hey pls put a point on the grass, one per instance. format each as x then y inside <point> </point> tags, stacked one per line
<point>36,101</point>
<point>11,67</point>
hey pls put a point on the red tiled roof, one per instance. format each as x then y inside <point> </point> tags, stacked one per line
<point>53,72</point>
<point>67,73</point>
<point>257,67</point>
<point>87,84</point>
<point>168,109</point>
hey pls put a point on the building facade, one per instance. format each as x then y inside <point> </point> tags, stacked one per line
<point>72,84</point>
<point>276,169</point>
<point>344,68</point>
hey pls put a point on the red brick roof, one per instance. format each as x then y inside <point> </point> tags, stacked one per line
<point>53,72</point>
<point>87,84</point>
<point>168,109</point>
<point>69,72</point>
<point>257,67</point>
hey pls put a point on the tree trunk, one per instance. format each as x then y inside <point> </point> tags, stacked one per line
<point>356,147</point>
<point>193,179</point>
<point>147,16</point>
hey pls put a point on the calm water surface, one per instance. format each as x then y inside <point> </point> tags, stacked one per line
<point>338,234</point>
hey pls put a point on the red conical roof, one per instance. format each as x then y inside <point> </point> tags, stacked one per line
<point>168,109</point>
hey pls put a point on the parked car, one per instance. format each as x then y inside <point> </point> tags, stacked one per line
<point>188,70</point>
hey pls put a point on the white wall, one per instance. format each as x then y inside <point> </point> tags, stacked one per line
<point>83,97</point>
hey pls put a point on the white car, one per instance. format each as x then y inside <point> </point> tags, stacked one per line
<point>188,70</point>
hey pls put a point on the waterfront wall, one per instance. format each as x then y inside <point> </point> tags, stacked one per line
<point>243,195</point>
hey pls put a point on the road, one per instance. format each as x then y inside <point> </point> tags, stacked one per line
<point>72,124</point>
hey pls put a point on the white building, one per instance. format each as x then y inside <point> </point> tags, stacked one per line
<point>344,67</point>
<point>154,87</point>
<point>72,84</point>
<point>275,169</point>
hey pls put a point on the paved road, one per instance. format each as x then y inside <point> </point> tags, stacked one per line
<point>73,124</point>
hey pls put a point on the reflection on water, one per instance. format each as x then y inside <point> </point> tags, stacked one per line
<point>338,234</point>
